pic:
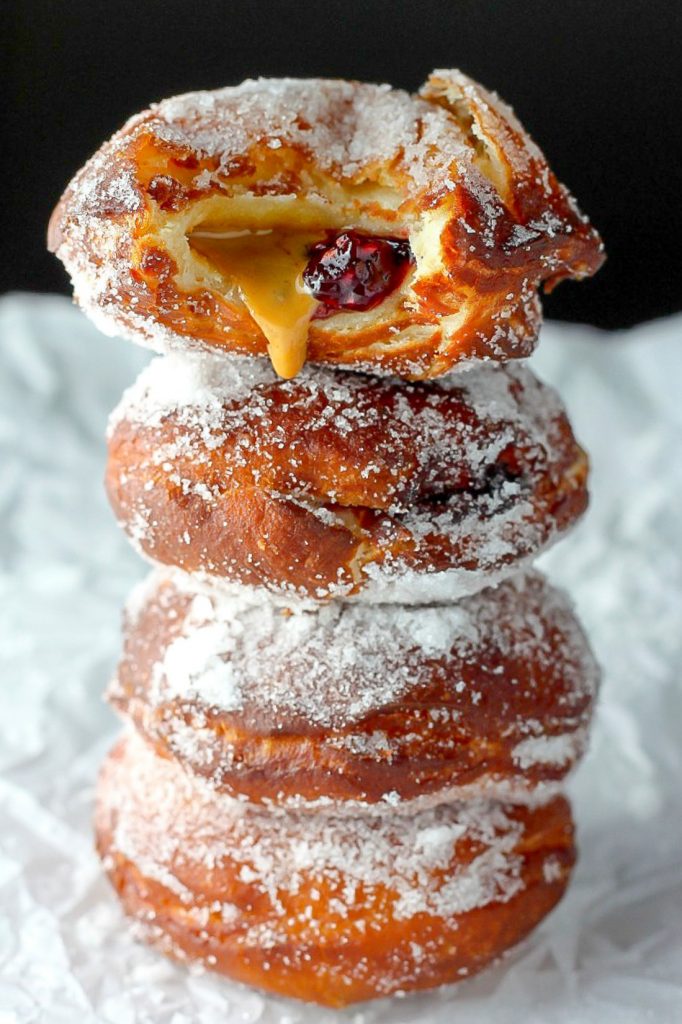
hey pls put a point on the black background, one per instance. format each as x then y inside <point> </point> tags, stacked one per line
<point>597,82</point>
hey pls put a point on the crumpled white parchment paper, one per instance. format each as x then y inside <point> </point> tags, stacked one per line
<point>610,954</point>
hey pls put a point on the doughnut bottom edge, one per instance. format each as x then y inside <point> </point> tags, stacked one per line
<point>321,908</point>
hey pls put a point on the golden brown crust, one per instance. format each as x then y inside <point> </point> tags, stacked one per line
<point>422,902</point>
<point>288,707</point>
<point>337,484</point>
<point>450,169</point>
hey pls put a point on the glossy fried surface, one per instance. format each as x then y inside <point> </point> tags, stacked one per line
<point>450,170</point>
<point>328,910</point>
<point>338,484</point>
<point>347,705</point>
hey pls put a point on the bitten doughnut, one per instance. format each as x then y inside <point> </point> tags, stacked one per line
<point>329,910</point>
<point>349,223</point>
<point>338,484</point>
<point>353,705</point>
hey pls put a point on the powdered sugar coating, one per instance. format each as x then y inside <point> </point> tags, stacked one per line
<point>171,825</point>
<point>334,664</point>
<point>200,386</point>
<point>347,125</point>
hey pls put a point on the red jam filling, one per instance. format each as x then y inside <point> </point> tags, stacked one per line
<point>353,271</point>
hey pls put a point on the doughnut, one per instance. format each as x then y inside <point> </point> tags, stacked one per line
<point>337,484</point>
<point>325,909</point>
<point>337,221</point>
<point>346,705</point>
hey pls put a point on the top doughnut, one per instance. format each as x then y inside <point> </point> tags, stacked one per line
<point>343,222</point>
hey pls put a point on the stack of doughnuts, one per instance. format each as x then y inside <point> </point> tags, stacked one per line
<point>351,703</point>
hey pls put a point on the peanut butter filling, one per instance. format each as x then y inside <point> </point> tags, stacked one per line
<point>267,267</point>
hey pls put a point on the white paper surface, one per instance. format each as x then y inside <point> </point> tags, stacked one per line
<point>611,953</point>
